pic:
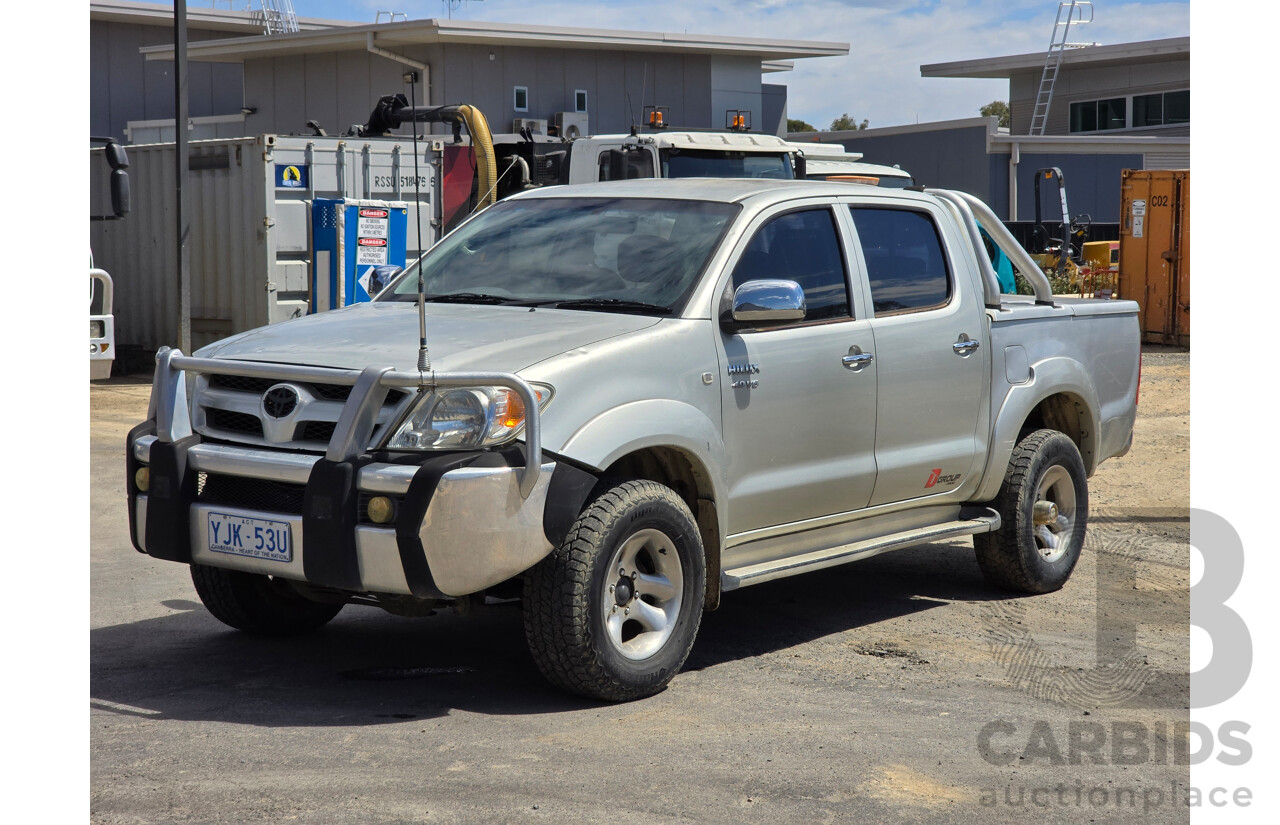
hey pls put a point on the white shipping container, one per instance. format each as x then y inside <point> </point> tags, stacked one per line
<point>250,227</point>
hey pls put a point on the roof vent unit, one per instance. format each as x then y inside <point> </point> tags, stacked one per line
<point>571,124</point>
<point>537,125</point>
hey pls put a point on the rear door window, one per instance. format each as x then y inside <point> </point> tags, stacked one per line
<point>905,262</point>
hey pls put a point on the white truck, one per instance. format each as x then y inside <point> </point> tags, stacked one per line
<point>620,401</point>
<point>102,334</point>
<point>102,324</point>
<point>831,161</point>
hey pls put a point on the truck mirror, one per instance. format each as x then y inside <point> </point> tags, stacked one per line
<point>120,192</point>
<point>116,156</point>
<point>801,166</point>
<point>624,165</point>
<point>766,301</point>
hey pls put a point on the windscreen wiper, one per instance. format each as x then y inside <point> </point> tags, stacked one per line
<point>612,305</point>
<point>470,298</point>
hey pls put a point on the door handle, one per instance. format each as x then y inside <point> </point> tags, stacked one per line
<point>964,346</point>
<point>857,360</point>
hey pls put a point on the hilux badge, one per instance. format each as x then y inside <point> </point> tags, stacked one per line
<point>743,370</point>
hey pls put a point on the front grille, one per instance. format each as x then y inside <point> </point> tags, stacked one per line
<point>250,493</point>
<point>235,422</point>
<point>257,386</point>
<point>313,415</point>
<point>315,431</point>
<point>239,383</point>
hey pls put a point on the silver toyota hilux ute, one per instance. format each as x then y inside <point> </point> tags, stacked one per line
<point>634,397</point>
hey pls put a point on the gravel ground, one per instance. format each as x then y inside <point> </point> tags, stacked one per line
<point>900,688</point>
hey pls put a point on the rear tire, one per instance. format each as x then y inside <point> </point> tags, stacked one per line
<point>259,604</point>
<point>1025,556</point>
<point>613,611</point>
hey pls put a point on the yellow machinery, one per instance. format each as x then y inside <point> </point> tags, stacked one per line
<point>1100,272</point>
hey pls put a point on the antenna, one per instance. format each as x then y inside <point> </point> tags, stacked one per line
<point>450,5</point>
<point>424,359</point>
<point>644,82</point>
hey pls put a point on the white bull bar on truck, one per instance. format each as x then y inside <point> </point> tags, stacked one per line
<point>483,524</point>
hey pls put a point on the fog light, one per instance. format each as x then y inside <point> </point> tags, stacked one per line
<point>142,478</point>
<point>380,509</point>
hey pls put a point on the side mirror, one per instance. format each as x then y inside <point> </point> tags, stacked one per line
<point>765,301</point>
<point>120,192</point>
<point>117,157</point>
<point>801,166</point>
<point>382,276</point>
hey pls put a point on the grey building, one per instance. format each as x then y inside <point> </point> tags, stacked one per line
<point>1123,88</point>
<point>333,73</point>
<point>125,88</point>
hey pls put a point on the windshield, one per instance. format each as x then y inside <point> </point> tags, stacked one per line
<point>701,163</point>
<point>612,254</point>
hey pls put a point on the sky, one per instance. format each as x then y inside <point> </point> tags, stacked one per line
<point>888,40</point>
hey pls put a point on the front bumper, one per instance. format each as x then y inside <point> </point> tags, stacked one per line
<point>464,521</point>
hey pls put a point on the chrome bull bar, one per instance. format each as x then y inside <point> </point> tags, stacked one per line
<point>355,426</point>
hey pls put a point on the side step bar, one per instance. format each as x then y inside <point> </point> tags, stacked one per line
<point>975,520</point>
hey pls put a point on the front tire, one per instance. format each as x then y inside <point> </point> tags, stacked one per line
<point>613,611</point>
<point>1044,508</point>
<point>260,604</point>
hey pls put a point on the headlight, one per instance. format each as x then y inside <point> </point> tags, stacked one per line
<point>465,418</point>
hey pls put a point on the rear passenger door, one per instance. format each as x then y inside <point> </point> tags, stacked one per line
<point>798,412</point>
<point>930,333</point>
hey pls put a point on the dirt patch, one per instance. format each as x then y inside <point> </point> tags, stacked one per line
<point>888,650</point>
<point>900,785</point>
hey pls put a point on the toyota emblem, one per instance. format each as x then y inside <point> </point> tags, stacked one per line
<point>279,401</point>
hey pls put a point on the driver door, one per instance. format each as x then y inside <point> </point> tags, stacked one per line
<point>799,417</point>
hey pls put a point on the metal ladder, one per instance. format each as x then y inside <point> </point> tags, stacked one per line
<point>1068,13</point>
<point>279,17</point>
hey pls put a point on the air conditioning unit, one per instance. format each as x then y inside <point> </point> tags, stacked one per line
<point>536,125</point>
<point>571,124</point>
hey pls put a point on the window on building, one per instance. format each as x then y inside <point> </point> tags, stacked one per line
<point>905,262</point>
<point>522,99</point>
<point>1098,115</point>
<point>1084,116</point>
<point>580,100</point>
<point>1162,109</point>
<point>1177,107</point>
<point>1148,110</point>
<point>1157,109</point>
<point>1111,113</point>
<point>802,247</point>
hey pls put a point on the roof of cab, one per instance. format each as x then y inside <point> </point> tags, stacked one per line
<point>726,190</point>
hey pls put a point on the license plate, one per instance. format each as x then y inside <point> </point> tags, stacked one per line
<point>256,538</point>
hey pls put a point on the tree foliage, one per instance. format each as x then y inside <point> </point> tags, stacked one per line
<point>999,109</point>
<point>845,123</point>
<point>795,125</point>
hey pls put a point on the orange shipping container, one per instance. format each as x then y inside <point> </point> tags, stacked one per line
<point>1155,251</point>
